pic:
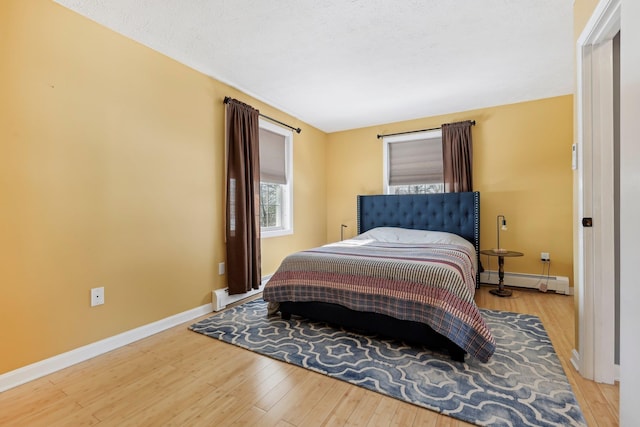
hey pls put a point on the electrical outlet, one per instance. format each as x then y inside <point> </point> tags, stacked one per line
<point>545,257</point>
<point>221,268</point>
<point>97,296</point>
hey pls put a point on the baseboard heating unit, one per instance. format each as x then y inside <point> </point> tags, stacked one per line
<point>220,298</point>
<point>558,284</point>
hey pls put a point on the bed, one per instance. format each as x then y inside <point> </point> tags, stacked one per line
<point>410,274</point>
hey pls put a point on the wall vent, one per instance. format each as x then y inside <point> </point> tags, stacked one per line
<point>558,284</point>
<point>220,298</point>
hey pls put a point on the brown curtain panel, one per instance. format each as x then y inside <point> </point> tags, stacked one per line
<point>243,198</point>
<point>457,157</point>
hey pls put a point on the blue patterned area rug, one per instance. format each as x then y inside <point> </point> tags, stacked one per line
<point>522,385</point>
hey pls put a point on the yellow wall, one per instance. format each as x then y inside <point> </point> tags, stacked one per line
<point>582,11</point>
<point>111,174</point>
<point>522,168</point>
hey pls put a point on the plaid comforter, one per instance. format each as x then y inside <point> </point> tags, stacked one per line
<point>428,283</point>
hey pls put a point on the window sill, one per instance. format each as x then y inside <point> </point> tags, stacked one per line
<point>265,234</point>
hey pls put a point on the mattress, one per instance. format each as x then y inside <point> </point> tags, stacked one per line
<point>410,275</point>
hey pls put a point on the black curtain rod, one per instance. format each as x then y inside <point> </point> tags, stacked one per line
<point>473,123</point>
<point>298,130</point>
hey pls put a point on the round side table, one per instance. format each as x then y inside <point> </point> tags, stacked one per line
<point>501,291</point>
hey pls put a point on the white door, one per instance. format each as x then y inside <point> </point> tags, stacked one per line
<point>596,206</point>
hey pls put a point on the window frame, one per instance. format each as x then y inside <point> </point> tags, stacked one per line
<point>286,227</point>
<point>388,140</point>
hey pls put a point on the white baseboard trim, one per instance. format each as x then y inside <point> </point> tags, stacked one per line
<point>558,284</point>
<point>575,361</point>
<point>45,367</point>
<point>220,298</point>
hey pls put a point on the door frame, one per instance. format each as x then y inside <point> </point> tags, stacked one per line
<point>596,245</point>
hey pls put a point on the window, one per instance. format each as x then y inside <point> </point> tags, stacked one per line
<point>413,163</point>
<point>276,180</point>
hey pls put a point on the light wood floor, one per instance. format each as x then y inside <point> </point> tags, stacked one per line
<point>182,378</point>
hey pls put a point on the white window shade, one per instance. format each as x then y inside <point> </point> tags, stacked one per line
<point>272,157</point>
<point>415,162</point>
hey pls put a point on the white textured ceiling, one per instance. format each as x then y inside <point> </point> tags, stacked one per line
<point>345,64</point>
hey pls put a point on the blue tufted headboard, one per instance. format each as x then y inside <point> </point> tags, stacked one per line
<point>457,213</point>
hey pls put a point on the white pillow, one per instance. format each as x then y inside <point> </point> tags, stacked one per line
<point>405,235</point>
